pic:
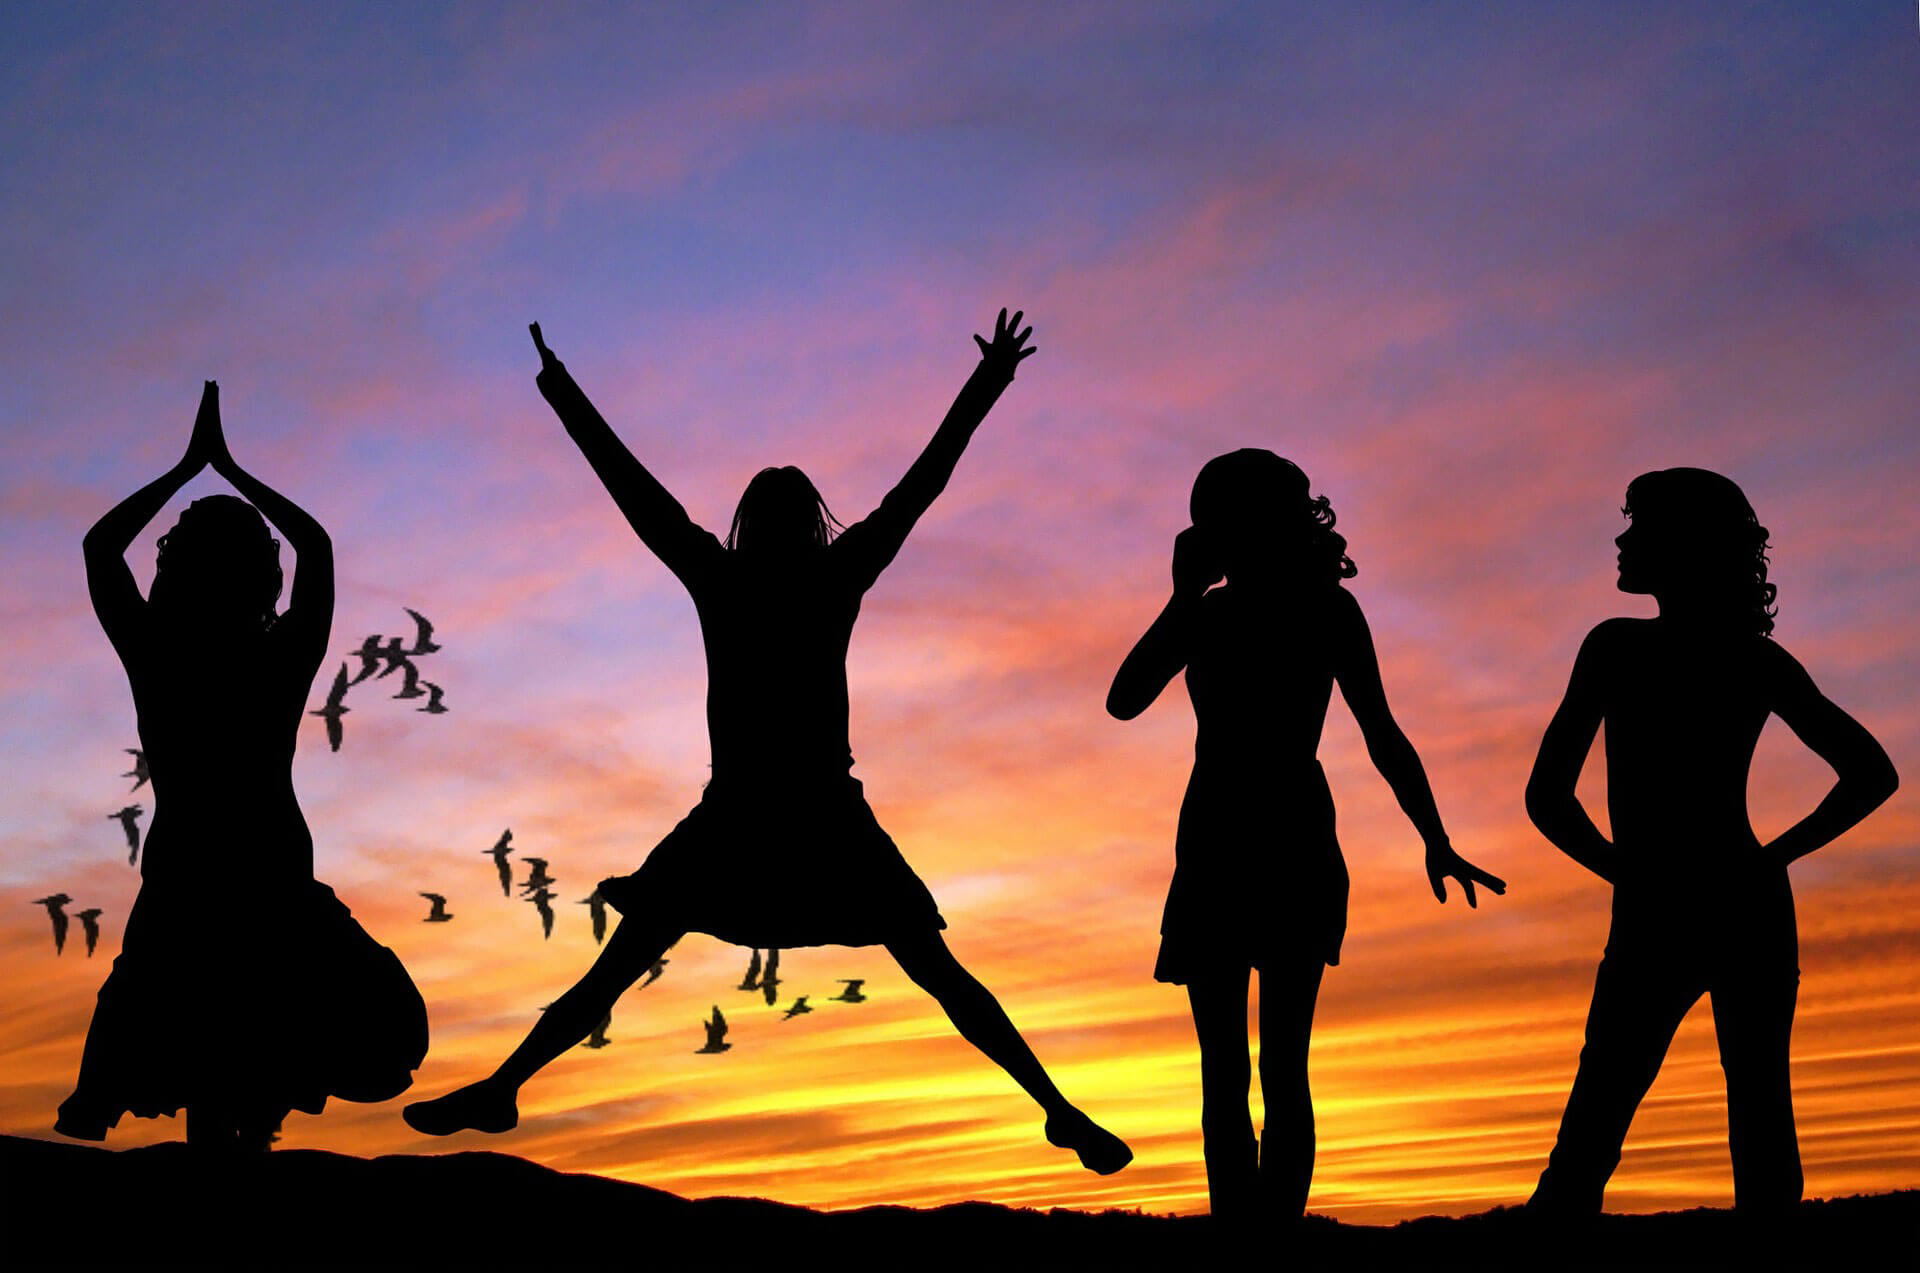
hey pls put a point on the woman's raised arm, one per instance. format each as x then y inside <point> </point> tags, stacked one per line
<point>116,598</point>
<point>655,515</point>
<point>868,546</point>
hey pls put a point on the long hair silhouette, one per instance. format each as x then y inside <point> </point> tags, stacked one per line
<point>1700,905</point>
<point>783,849</point>
<point>1259,880</point>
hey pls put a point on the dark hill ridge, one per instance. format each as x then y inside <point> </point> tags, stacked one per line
<point>73,1203</point>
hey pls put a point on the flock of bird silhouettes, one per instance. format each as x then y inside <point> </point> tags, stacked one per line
<point>762,977</point>
<point>129,820</point>
<point>380,657</point>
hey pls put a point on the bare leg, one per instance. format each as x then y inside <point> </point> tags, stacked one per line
<point>1287,996</point>
<point>983,1022</point>
<point>1226,1128</point>
<point>490,1105</point>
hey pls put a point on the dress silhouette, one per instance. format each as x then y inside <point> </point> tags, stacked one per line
<point>782,850</point>
<point>1700,905</point>
<point>1259,880</point>
<point>236,1024</point>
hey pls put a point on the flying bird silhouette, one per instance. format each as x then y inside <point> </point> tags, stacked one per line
<point>498,853</point>
<point>411,689</point>
<point>770,978</point>
<point>440,914</point>
<point>423,637</point>
<point>434,704</point>
<point>139,771</point>
<point>598,913</point>
<point>716,1033</point>
<point>129,822</point>
<point>395,657</point>
<point>53,902</point>
<point>335,708</point>
<point>598,1039</point>
<point>653,972</point>
<point>369,652</point>
<point>799,1006</point>
<point>752,980</point>
<point>90,925</point>
<point>537,877</point>
<point>542,900</point>
<point>852,992</point>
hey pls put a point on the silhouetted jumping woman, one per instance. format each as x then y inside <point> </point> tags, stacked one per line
<point>1259,880</point>
<point>1700,906</point>
<point>238,1025</point>
<point>782,850</point>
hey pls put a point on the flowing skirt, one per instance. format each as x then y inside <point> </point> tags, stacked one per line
<point>254,1000</point>
<point>782,864</point>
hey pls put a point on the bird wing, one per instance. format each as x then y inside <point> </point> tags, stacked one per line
<point>334,733</point>
<point>339,690</point>
<point>424,636</point>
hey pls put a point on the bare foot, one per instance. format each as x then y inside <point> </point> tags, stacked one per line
<point>1099,1149</point>
<point>484,1107</point>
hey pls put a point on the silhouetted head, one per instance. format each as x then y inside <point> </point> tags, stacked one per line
<point>1260,516</point>
<point>218,567</point>
<point>1694,540</point>
<point>781,514</point>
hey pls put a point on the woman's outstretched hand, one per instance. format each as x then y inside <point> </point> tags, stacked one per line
<point>1442,861</point>
<point>208,445</point>
<point>1005,352</point>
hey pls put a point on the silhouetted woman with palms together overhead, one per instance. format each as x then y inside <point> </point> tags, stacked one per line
<point>1700,906</point>
<point>244,989</point>
<point>1259,880</point>
<point>782,850</point>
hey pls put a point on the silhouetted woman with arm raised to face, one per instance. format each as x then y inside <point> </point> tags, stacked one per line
<point>782,850</point>
<point>1700,905</point>
<point>1259,880</point>
<point>237,1022</point>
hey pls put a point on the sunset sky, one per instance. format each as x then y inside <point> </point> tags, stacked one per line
<point>1472,267</point>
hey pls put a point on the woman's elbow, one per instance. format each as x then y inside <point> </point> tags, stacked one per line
<point>1122,706</point>
<point>1544,801</point>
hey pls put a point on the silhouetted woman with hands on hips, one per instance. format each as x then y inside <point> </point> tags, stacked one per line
<point>237,1023</point>
<point>782,850</point>
<point>1259,880</point>
<point>1700,905</point>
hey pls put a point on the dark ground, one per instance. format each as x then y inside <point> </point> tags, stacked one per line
<point>66,1204</point>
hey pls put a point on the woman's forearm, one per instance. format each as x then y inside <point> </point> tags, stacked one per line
<point>114,533</point>
<point>1400,765</point>
<point>1564,821</point>
<point>1848,804</point>
<point>930,473</point>
<point>305,534</point>
<point>1156,658</point>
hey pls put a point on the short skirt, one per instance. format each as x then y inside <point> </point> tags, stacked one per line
<point>1258,880</point>
<point>782,864</point>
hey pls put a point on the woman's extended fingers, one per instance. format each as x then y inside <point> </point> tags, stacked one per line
<point>539,342</point>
